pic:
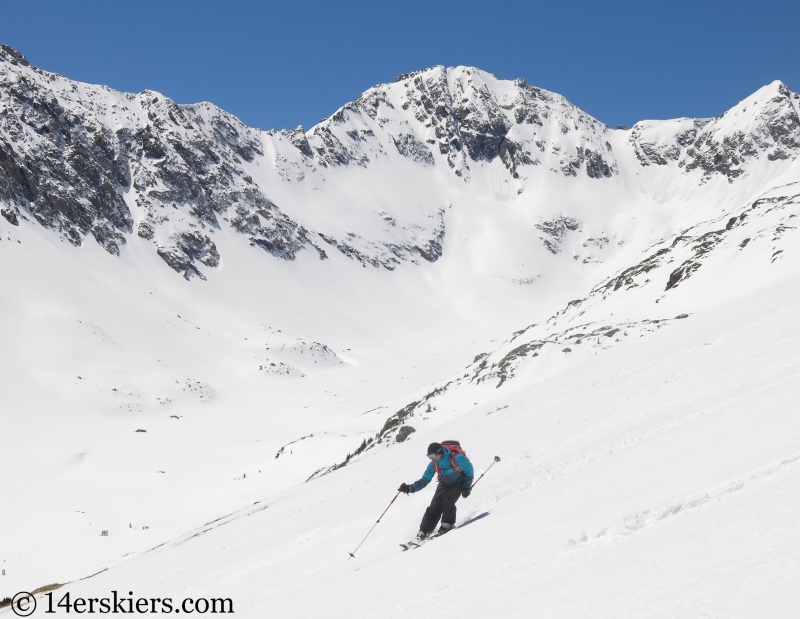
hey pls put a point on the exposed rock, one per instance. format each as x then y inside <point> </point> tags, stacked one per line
<point>409,146</point>
<point>770,126</point>
<point>596,165</point>
<point>11,215</point>
<point>13,56</point>
<point>185,248</point>
<point>404,433</point>
<point>556,230</point>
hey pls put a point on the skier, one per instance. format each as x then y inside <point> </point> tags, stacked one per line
<point>455,476</point>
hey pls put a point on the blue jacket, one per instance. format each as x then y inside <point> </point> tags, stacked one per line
<point>450,476</point>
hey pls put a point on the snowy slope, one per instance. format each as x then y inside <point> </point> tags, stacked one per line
<point>713,262</point>
<point>659,481</point>
<point>197,315</point>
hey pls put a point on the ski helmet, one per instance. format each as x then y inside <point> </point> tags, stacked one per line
<point>435,448</point>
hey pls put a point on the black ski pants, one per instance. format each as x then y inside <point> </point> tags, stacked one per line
<point>443,505</point>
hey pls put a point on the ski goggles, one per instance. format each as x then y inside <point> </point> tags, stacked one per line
<point>433,456</point>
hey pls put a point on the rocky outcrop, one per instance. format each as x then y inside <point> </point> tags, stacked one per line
<point>409,146</point>
<point>765,125</point>
<point>186,249</point>
<point>390,255</point>
<point>556,230</point>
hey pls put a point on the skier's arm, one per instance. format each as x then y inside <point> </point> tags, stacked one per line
<point>466,467</point>
<point>424,480</point>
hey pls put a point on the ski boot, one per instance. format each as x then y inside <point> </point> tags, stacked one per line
<point>444,529</point>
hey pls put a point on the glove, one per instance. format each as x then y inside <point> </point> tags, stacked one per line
<point>466,492</point>
<point>404,488</point>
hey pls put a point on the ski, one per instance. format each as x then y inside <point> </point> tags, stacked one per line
<point>414,543</point>
<point>461,524</point>
<point>473,519</point>
<point>418,543</point>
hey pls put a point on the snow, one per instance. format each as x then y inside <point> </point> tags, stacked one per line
<point>649,472</point>
<point>658,482</point>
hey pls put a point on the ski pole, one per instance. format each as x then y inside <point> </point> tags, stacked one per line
<point>496,460</point>
<point>353,554</point>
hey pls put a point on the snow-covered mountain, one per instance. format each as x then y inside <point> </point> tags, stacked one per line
<point>86,160</point>
<point>737,252</point>
<point>197,316</point>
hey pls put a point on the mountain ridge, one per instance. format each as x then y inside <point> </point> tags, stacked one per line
<point>171,174</point>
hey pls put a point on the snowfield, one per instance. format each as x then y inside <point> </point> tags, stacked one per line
<point>660,482</point>
<point>222,350</point>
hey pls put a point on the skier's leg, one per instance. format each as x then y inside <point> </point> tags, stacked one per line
<point>434,511</point>
<point>450,495</point>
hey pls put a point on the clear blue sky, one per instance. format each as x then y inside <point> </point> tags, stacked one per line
<point>281,64</point>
